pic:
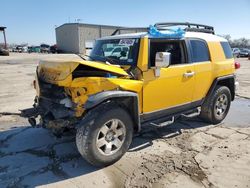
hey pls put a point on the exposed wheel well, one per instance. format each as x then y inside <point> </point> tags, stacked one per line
<point>130,104</point>
<point>228,81</point>
<point>125,99</point>
<point>230,84</point>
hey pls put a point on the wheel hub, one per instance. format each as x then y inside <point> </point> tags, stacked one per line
<point>110,137</point>
<point>221,105</point>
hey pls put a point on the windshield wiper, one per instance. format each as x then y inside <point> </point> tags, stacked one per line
<point>86,56</point>
<point>103,59</point>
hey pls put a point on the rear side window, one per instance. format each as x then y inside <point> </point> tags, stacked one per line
<point>199,51</point>
<point>227,50</point>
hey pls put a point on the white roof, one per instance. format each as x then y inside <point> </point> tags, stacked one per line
<point>205,36</point>
<point>198,35</point>
<point>128,35</point>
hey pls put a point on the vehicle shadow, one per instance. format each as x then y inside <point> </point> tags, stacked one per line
<point>33,156</point>
<point>30,157</point>
<point>150,132</point>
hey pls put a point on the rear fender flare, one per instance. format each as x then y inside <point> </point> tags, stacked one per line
<point>228,81</point>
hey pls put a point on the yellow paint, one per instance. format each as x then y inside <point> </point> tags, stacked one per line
<point>170,89</point>
<point>103,66</point>
<point>203,79</point>
<point>81,88</point>
<point>130,85</point>
<point>143,55</point>
<point>216,51</point>
<point>59,72</point>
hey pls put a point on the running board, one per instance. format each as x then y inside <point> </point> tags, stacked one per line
<point>163,124</point>
<point>192,114</point>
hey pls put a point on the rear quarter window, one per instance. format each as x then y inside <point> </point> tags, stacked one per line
<point>227,50</point>
<point>199,51</point>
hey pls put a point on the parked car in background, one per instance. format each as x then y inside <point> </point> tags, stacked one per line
<point>13,49</point>
<point>44,48</point>
<point>244,52</point>
<point>53,49</point>
<point>35,49</point>
<point>25,49</point>
<point>4,52</point>
<point>19,49</point>
<point>236,52</point>
<point>116,51</point>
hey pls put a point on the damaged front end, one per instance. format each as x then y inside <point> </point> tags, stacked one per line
<point>63,88</point>
<point>52,106</point>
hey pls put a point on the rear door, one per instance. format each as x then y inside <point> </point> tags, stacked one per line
<point>200,58</point>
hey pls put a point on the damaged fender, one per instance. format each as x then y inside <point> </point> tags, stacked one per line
<point>126,98</point>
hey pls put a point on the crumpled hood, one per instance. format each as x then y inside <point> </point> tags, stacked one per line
<point>59,70</point>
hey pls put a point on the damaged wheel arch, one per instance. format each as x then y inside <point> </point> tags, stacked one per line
<point>126,99</point>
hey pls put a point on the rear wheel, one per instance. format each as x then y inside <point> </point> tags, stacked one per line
<point>105,135</point>
<point>216,106</point>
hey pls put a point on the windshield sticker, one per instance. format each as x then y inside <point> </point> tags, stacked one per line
<point>127,42</point>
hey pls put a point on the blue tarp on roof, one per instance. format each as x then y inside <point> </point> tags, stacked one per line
<point>171,33</point>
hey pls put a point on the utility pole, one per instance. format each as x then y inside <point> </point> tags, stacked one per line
<point>4,36</point>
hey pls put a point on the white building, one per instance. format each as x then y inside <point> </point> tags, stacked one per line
<point>80,37</point>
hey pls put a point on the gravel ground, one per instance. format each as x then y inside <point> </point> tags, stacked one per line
<point>188,153</point>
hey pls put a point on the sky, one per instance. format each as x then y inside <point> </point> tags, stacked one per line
<point>34,21</point>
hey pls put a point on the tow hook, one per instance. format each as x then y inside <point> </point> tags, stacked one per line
<point>32,122</point>
<point>30,113</point>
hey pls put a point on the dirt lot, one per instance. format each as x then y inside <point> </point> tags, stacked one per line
<point>185,154</point>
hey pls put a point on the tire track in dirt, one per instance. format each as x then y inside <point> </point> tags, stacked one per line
<point>155,167</point>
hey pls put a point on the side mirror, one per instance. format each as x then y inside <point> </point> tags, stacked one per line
<point>162,59</point>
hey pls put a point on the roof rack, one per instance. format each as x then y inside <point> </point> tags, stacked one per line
<point>163,26</point>
<point>128,28</point>
<point>190,26</point>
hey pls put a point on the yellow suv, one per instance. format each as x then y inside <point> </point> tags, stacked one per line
<point>155,77</point>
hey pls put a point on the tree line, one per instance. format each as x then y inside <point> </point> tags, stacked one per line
<point>237,43</point>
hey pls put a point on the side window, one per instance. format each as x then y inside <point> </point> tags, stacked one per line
<point>199,51</point>
<point>176,48</point>
<point>117,50</point>
<point>227,50</point>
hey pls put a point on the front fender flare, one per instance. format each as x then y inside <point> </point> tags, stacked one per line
<point>127,98</point>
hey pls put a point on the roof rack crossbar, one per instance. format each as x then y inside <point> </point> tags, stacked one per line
<point>128,28</point>
<point>163,26</point>
<point>190,26</point>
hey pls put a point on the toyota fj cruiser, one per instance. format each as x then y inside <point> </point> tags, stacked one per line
<point>162,74</point>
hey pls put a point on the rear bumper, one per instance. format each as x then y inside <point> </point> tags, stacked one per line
<point>236,86</point>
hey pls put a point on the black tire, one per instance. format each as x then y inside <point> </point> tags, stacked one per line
<point>88,131</point>
<point>209,110</point>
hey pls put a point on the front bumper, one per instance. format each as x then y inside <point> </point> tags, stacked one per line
<point>52,106</point>
<point>51,114</point>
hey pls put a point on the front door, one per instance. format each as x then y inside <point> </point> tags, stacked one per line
<point>175,85</point>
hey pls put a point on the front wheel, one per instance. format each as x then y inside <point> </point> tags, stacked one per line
<point>216,106</point>
<point>105,135</point>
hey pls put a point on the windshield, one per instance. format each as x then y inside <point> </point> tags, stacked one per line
<point>118,51</point>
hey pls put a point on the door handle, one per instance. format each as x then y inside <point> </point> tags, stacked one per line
<point>188,74</point>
